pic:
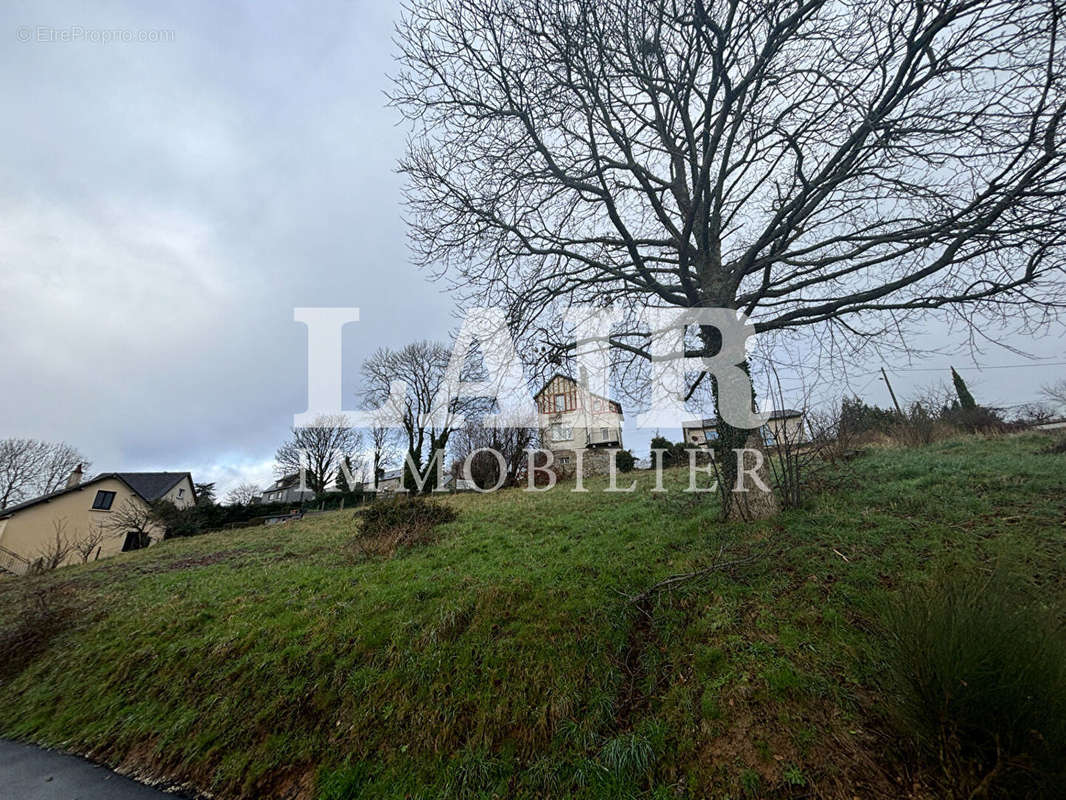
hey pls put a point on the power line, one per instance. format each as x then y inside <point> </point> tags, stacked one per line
<point>979,369</point>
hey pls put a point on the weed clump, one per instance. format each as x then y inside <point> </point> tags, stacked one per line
<point>402,522</point>
<point>42,614</point>
<point>976,677</point>
<point>1055,448</point>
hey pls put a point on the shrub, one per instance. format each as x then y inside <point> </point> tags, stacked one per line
<point>920,427</point>
<point>179,522</point>
<point>857,417</point>
<point>625,461</point>
<point>975,420</point>
<point>402,521</point>
<point>976,676</point>
<point>675,454</point>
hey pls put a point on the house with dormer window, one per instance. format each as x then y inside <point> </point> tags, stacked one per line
<point>45,525</point>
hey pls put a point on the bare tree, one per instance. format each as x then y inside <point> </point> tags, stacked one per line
<point>422,366</point>
<point>60,461</point>
<point>512,443</point>
<point>319,450</point>
<point>1056,392</point>
<point>30,468</point>
<point>381,447</point>
<point>134,517</point>
<point>55,550</point>
<point>1031,414</point>
<point>242,495</point>
<point>846,167</point>
<point>91,542</point>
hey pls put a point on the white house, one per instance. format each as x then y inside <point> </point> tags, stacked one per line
<point>786,422</point>
<point>572,418</point>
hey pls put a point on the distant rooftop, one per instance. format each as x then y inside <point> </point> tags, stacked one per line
<point>710,422</point>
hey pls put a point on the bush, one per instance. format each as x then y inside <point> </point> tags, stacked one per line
<point>675,454</point>
<point>857,417</point>
<point>625,461</point>
<point>921,427</point>
<point>178,522</point>
<point>976,676</point>
<point>403,521</point>
<point>975,420</point>
<point>205,519</point>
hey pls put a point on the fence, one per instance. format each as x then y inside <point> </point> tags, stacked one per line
<point>13,562</point>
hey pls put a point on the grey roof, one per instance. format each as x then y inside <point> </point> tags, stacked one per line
<point>152,485</point>
<point>149,486</point>
<point>285,482</point>
<point>710,422</point>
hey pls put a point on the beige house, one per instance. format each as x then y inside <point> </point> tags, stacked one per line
<point>87,520</point>
<point>572,418</point>
<point>784,425</point>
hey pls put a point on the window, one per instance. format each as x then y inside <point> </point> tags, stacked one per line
<point>711,434</point>
<point>103,501</point>
<point>560,402</point>
<point>769,437</point>
<point>561,434</point>
<point>604,434</point>
<point>181,493</point>
<point>565,461</point>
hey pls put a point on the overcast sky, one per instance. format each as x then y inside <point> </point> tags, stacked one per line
<point>164,205</point>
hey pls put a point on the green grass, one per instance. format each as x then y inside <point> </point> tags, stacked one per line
<point>504,660</point>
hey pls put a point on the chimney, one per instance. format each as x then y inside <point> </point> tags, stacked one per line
<point>75,477</point>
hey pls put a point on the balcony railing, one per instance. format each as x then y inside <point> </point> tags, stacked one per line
<point>13,563</point>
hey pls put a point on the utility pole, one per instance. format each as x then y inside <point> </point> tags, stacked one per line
<point>895,402</point>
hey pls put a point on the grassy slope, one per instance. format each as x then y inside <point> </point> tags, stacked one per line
<point>503,660</point>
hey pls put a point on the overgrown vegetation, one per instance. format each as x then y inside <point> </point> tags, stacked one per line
<point>976,677</point>
<point>44,610</point>
<point>399,522</point>
<point>1056,448</point>
<point>506,656</point>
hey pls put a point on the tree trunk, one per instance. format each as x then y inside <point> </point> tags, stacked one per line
<point>754,503</point>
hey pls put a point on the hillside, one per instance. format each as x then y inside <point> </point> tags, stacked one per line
<point>506,659</point>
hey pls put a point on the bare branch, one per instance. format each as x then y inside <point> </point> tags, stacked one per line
<point>845,167</point>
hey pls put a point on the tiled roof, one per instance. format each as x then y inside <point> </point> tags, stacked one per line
<point>149,486</point>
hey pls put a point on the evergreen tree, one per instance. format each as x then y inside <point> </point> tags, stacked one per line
<point>205,494</point>
<point>965,398</point>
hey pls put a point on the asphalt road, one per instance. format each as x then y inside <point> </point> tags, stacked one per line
<point>30,773</point>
